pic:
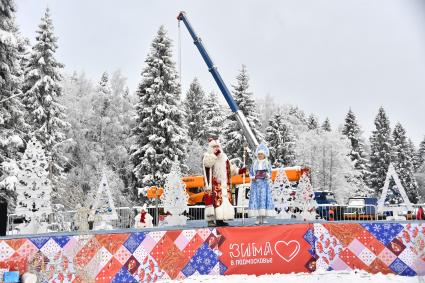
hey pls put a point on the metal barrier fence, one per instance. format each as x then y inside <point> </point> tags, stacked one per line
<point>127,215</point>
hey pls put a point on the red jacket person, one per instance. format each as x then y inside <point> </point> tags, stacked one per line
<point>217,173</point>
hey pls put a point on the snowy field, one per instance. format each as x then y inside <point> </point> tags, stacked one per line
<point>329,277</point>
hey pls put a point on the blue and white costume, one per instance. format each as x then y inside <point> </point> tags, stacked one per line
<point>260,198</point>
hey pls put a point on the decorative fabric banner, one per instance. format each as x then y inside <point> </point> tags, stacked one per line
<point>267,249</point>
<point>177,254</point>
<point>373,246</point>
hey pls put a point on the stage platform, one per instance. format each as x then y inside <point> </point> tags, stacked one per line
<point>282,246</point>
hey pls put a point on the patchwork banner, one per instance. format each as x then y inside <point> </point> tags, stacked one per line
<point>371,246</point>
<point>147,256</point>
<point>267,249</point>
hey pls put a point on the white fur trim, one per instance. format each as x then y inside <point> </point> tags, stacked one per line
<point>225,211</point>
<point>209,213</point>
<point>261,212</point>
<point>209,160</point>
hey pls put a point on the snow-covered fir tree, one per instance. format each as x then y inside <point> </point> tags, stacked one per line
<point>159,132</point>
<point>420,156</point>
<point>42,88</point>
<point>380,156</point>
<point>13,48</point>
<point>234,139</point>
<point>326,126</point>
<point>401,157</point>
<point>104,86</point>
<point>213,115</point>
<point>281,142</point>
<point>194,105</point>
<point>34,187</point>
<point>312,122</point>
<point>353,132</point>
<point>12,124</point>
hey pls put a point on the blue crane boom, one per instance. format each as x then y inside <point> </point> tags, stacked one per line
<point>240,117</point>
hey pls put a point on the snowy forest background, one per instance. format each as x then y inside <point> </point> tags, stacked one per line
<point>87,126</point>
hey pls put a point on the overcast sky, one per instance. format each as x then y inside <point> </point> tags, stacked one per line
<point>324,56</point>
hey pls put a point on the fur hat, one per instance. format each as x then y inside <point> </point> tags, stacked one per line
<point>262,148</point>
<point>213,141</point>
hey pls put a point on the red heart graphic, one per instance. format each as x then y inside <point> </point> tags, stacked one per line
<point>287,250</point>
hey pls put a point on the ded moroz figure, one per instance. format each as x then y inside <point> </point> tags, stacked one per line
<point>217,173</point>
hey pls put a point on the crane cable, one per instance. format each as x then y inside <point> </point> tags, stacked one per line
<point>180,54</point>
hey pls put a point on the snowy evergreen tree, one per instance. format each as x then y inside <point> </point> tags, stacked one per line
<point>401,157</point>
<point>42,88</point>
<point>214,117</point>
<point>420,156</point>
<point>159,130</point>
<point>12,125</point>
<point>312,122</point>
<point>352,131</point>
<point>34,187</point>
<point>194,105</point>
<point>326,126</point>
<point>281,142</point>
<point>234,139</point>
<point>380,156</point>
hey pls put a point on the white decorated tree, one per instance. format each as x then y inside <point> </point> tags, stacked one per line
<point>393,197</point>
<point>305,196</point>
<point>175,197</point>
<point>282,195</point>
<point>103,209</point>
<point>33,187</point>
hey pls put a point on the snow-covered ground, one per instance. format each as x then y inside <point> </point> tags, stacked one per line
<point>329,277</point>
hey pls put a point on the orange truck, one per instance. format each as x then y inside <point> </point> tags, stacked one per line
<point>195,184</point>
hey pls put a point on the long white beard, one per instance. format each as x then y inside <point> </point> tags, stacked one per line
<point>220,169</point>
